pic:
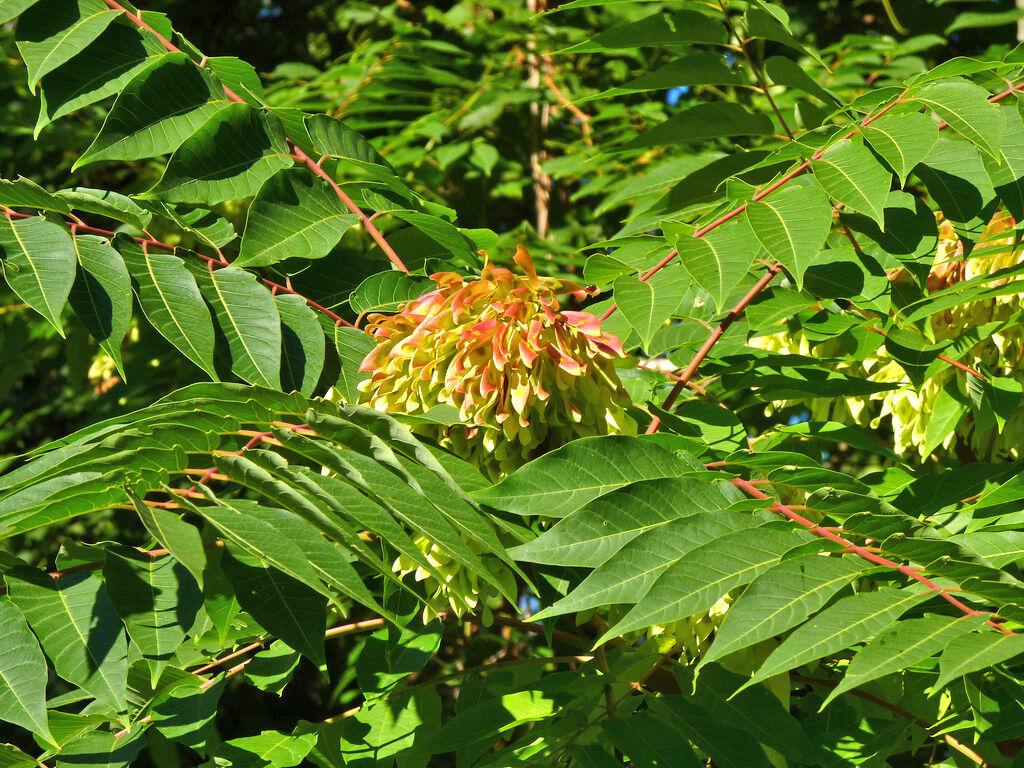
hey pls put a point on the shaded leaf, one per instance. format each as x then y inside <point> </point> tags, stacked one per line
<point>161,107</point>
<point>227,158</point>
<point>102,294</point>
<point>39,264</point>
<point>303,346</point>
<point>901,645</point>
<point>707,120</point>
<point>51,32</point>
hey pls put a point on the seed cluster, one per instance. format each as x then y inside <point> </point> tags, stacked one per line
<point>993,318</point>
<point>524,375</point>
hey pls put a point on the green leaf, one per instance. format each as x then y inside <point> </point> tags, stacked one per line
<point>768,26</point>
<point>39,264</point>
<point>25,193</point>
<point>353,346</point>
<point>175,535</point>
<point>295,215</point>
<point>902,645</point>
<point>157,599</point>
<point>645,311</point>
<point>785,71</point>
<point>965,106</point>
<point>105,203</point>
<point>172,302</point>
<point>240,76</point>
<point>480,723</point>
<point>1008,176</point>
<point>695,69</point>
<point>228,158</point>
<point>792,225</point>
<point>780,599</point>
<point>259,538</point>
<point>388,730</point>
<point>850,620</point>
<point>663,28</point>
<point>271,670</point>
<point>648,741</point>
<point>161,107</point>
<point>756,711</point>
<point>981,19</point>
<point>910,349</point>
<point>562,481</point>
<point>303,347</point>
<point>727,745</point>
<point>248,316</point>
<point>707,120</point>
<point>11,9</point>
<point>269,749</point>
<point>387,291</point>
<point>593,756</point>
<point>975,651</point>
<point>10,755</point>
<point>185,712</point>
<point>103,69</point>
<point>78,628</point>
<point>209,227</point>
<point>719,261</point>
<point>957,180</point>
<point>22,674</point>
<point>102,294</point>
<point>903,141</point>
<point>331,136</point>
<point>441,232</point>
<point>329,561</point>
<point>704,576</point>
<point>852,176</point>
<point>599,529</point>
<point>946,411</point>
<point>392,654</point>
<point>52,31</point>
<point>627,576</point>
<point>282,605</point>
<point>102,749</point>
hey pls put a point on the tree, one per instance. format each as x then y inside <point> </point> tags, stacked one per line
<point>726,473</point>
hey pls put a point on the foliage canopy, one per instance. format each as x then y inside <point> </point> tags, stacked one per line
<point>301,466</point>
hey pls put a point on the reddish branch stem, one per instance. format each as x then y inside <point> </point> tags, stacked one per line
<point>299,155</point>
<point>865,553</point>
